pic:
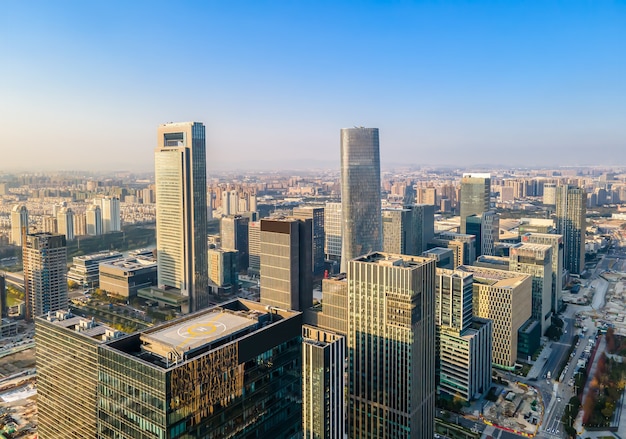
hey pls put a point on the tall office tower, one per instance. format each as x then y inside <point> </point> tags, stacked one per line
<point>226,203</point>
<point>332,229</point>
<point>360,193</point>
<point>463,341</point>
<point>323,384</point>
<point>536,260</point>
<point>475,193</point>
<point>67,388</point>
<point>397,234</point>
<point>65,222</point>
<point>556,243</point>
<point>391,307</point>
<point>506,298</point>
<point>464,246</point>
<point>286,278</point>
<point>180,174</point>
<point>423,221</point>
<point>223,269</point>
<point>571,217</point>
<point>19,223</point>
<point>549,194</point>
<point>44,256</point>
<point>254,248</point>
<point>316,215</point>
<point>486,228</point>
<point>232,371</point>
<point>80,224</point>
<point>111,217</point>
<point>234,235</point>
<point>94,220</point>
<point>427,195</point>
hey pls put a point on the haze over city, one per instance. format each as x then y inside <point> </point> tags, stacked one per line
<point>447,83</point>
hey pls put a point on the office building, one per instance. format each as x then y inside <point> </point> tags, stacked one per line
<point>505,298</point>
<point>44,257</point>
<point>234,235</point>
<point>180,174</point>
<point>391,344</point>
<point>360,193</point>
<point>323,384</point>
<point>571,222</point>
<point>66,350</point>
<point>475,193</point>
<point>486,228</point>
<point>254,248</point>
<point>333,218</point>
<point>65,222</point>
<point>463,246</point>
<point>316,215</point>
<point>85,270</point>
<point>286,277</point>
<point>444,257</point>
<point>536,260</point>
<point>125,277</point>
<point>556,243</point>
<point>231,371</point>
<point>407,230</point>
<point>19,223</point>
<point>111,215</point>
<point>223,270</point>
<point>94,220</point>
<point>549,194</point>
<point>427,195</point>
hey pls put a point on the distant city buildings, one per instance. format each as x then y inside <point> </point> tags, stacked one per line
<point>19,223</point>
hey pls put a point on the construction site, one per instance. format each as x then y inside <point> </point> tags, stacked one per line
<point>518,409</point>
<point>18,395</point>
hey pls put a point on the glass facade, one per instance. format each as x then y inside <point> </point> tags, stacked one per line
<point>475,193</point>
<point>360,193</point>
<point>571,213</point>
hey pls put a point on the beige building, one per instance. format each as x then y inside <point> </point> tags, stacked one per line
<point>506,298</point>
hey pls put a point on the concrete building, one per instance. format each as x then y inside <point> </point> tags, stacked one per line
<point>94,220</point>
<point>316,215</point>
<point>475,196</point>
<point>254,248</point>
<point>234,235</point>
<point>505,298</point>
<point>85,270</point>
<point>556,243</point>
<point>536,260</point>
<point>286,278</point>
<point>444,257</point>
<point>66,348</point>
<point>463,246</point>
<point>19,223</point>
<point>391,316</point>
<point>223,270</point>
<point>111,217</point>
<point>80,224</point>
<point>180,174</point>
<point>125,277</point>
<point>332,229</point>
<point>234,370</point>
<point>44,257</point>
<point>360,193</point>
<point>549,194</point>
<point>65,222</point>
<point>323,384</point>
<point>571,222</point>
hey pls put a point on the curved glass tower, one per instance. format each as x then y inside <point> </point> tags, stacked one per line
<point>360,193</point>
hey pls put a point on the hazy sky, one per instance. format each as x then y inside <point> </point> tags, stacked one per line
<point>83,85</point>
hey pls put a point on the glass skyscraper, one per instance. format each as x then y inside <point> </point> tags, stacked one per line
<point>360,193</point>
<point>475,191</point>
<point>181,211</point>
<point>571,213</point>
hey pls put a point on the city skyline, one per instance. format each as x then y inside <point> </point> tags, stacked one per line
<point>447,84</point>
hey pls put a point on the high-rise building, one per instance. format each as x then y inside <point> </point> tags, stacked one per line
<point>111,215</point>
<point>505,298</point>
<point>80,224</point>
<point>427,195</point>
<point>66,386</point>
<point>486,228</point>
<point>180,175</point>
<point>94,220</point>
<point>254,248</point>
<point>323,384</point>
<point>332,229</point>
<point>65,222</point>
<point>536,260</point>
<point>464,246</point>
<point>231,371</point>
<point>391,311</point>
<point>549,193</point>
<point>475,193</point>
<point>316,215</point>
<point>234,236</point>
<point>360,193</point>
<point>19,223</point>
<point>556,243</point>
<point>3,297</point>
<point>464,342</point>
<point>571,217</point>
<point>44,256</point>
<point>398,235</point>
<point>223,271</point>
<point>286,277</point>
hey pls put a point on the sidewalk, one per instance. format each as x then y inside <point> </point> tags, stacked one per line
<point>535,370</point>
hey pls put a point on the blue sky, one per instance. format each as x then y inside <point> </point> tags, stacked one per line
<point>83,85</point>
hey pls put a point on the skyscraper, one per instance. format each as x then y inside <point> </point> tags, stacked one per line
<point>111,219</point>
<point>45,273</point>
<point>475,192</point>
<point>286,275</point>
<point>571,213</point>
<point>65,222</point>
<point>94,220</point>
<point>234,236</point>
<point>318,237</point>
<point>19,223</point>
<point>360,193</point>
<point>180,175</point>
<point>556,242</point>
<point>391,344</point>
<point>332,230</point>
